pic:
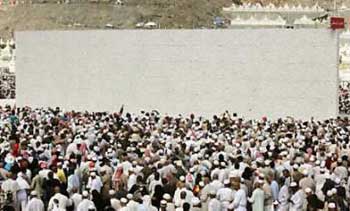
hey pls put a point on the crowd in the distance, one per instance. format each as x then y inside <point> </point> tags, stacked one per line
<point>344,98</point>
<point>54,160</point>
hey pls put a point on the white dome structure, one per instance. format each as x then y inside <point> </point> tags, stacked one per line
<point>345,35</point>
<point>252,21</point>
<point>272,8</point>
<point>304,21</point>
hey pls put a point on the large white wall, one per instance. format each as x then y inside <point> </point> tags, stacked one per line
<point>271,72</point>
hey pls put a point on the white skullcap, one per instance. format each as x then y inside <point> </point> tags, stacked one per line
<point>337,180</point>
<point>85,193</point>
<point>261,181</point>
<point>33,193</point>
<point>295,166</point>
<point>293,184</point>
<point>146,197</point>
<point>334,190</point>
<point>201,183</point>
<point>111,192</point>
<point>260,160</point>
<point>226,181</point>
<point>308,190</point>
<point>93,174</point>
<point>123,200</point>
<point>212,192</point>
<point>129,196</point>
<point>167,196</point>
<point>329,193</point>
<point>230,206</point>
<point>182,178</point>
<point>216,162</point>
<point>305,172</point>
<point>331,205</point>
<point>195,201</point>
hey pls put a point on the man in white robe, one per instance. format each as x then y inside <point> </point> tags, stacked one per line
<point>297,200</point>
<point>94,182</point>
<point>283,198</point>
<point>240,200</point>
<point>225,195</point>
<point>58,200</point>
<point>85,204</point>
<point>76,198</point>
<point>35,204</point>
<point>214,204</point>
<point>22,192</point>
<point>11,186</point>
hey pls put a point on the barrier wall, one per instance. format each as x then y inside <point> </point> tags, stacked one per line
<point>272,72</point>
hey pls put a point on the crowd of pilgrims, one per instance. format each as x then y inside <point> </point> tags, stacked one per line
<point>344,98</point>
<point>56,160</point>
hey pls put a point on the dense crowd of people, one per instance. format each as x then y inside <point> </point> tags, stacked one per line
<point>344,98</point>
<point>55,160</point>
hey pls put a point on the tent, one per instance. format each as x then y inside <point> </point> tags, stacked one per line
<point>286,7</point>
<point>345,35</point>
<point>304,21</point>
<point>280,21</point>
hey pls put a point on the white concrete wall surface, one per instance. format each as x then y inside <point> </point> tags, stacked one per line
<point>260,72</point>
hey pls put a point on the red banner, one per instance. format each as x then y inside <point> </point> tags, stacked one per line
<point>337,23</point>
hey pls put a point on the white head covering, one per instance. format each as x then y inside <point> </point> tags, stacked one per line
<point>85,193</point>
<point>195,201</point>
<point>331,205</point>
<point>293,184</point>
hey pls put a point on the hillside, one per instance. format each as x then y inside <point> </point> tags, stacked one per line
<point>82,15</point>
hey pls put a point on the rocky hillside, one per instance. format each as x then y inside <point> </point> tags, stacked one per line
<point>80,14</point>
<point>83,15</point>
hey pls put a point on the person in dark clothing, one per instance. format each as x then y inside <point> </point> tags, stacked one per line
<point>341,198</point>
<point>49,185</point>
<point>186,206</point>
<point>169,187</point>
<point>139,187</point>
<point>121,192</point>
<point>8,208</point>
<point>313,203</point>
<point>97,199</point>
<point>180,171</point>
<point>328,185</point>
<point>158,196</point>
